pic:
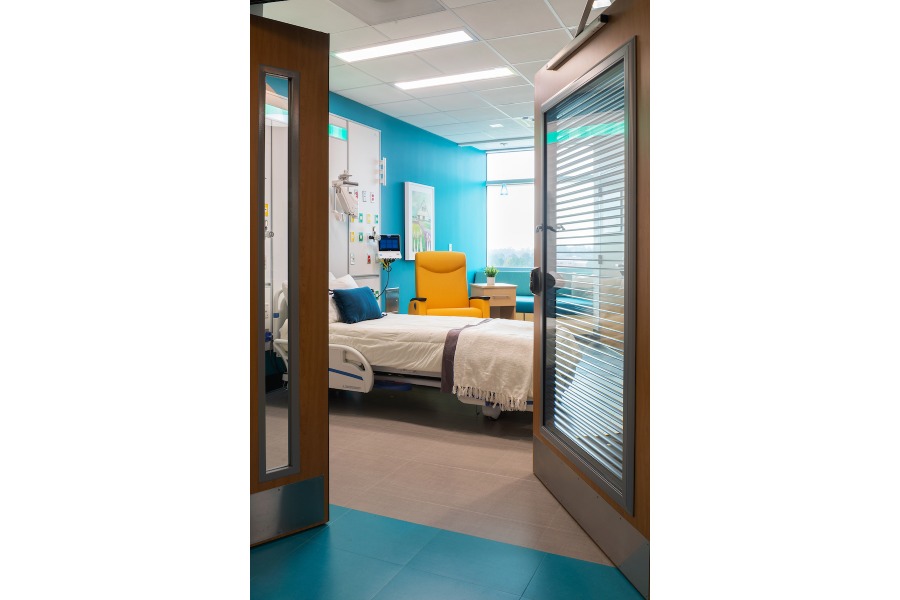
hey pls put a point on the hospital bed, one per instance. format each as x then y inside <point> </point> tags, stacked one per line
<point>495,353</point>
<point>279,329</point>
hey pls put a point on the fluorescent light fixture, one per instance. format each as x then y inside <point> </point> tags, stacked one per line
<point>496,125</point>
<point>432,41</point>
<point>601,4</point>
<point>478,75</point>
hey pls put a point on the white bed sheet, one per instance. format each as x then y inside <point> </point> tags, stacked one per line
<point>402,342</point>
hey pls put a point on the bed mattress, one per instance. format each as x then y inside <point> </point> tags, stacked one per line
<point>401,342</point>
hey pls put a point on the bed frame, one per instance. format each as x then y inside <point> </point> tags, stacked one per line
<point>349,370</point>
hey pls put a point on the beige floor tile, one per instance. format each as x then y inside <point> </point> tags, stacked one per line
<point>352,473</point>
<point>426,458</point>
<point>563,520</point>
<point>572,544</point>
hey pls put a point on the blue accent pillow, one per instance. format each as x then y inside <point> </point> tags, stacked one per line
<point>357,304</point>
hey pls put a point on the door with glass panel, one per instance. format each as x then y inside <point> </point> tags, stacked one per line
<point>288,254</point>
<point>585,296</point>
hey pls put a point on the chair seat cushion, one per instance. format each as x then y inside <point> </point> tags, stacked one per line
<point>455,312</point>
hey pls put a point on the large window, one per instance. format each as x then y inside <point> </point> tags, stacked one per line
<point>510,209</point>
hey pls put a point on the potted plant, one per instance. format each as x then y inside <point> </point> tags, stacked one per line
<point>490,272</point>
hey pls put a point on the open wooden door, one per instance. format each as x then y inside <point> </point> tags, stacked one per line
<point>288,265</point>
<point>592,401</point>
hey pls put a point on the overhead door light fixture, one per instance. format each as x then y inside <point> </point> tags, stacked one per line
<point>461,78</point>
<point>432,41</point>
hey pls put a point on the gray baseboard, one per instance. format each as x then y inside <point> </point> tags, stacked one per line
<point>621,542</point>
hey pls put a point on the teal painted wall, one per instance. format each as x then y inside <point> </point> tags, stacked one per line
<point>457,174</point>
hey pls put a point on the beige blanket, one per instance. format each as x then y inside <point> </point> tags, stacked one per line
<point>494,361</point>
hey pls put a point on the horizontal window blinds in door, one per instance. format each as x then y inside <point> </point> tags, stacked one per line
<point>585,394</point>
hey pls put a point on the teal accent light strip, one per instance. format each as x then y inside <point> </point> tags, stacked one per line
<point>617,128</point>
<point>274,110</point>
<point>337,132</point>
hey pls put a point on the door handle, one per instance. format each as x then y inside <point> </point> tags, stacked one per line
<point>534,282</point>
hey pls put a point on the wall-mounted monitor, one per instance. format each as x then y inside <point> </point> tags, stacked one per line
<point>389,247</point>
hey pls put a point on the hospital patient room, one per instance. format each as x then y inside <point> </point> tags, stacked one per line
<point>431,323</point>
<point>480,320</point>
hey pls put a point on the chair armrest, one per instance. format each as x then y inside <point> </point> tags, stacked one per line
<point>418,306</point>
<point>482,303</point>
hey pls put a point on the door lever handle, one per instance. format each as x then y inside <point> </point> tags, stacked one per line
<point>534,281</point>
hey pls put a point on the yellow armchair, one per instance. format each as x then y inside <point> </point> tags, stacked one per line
<point>442,288</point>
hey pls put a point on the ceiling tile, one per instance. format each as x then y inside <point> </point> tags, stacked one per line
<point>509,127</point>
<point>335,62</point>
<point>374,12</point>
<point>462,58</point>
<point>520,109</point>
<point>320,16</point>
<point>375,94</point>
<point>458,3</point>
<point>346,77</point>
<point>529,69</point>
<point>535,47</point>
<point>420,26</point>
<point>403,67</point>
<point>454,128</point>
<point>438,90</point>
<point>429,120</point>
<point>463,138</point>
<point>512,95</point>
<point>356,38</point>
<point>456,102</point>
<point>570,11</point>
<point>475,114</point>
<point>503,18</point>
<point>404,108</point>
<point>493,84</point>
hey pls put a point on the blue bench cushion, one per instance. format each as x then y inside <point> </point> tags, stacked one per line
<point>525,304</point>
<point>521,279</point>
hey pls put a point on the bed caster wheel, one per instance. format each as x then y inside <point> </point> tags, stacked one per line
<point>491,411</point>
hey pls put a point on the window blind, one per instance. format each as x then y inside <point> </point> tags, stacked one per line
<point>585,252</point>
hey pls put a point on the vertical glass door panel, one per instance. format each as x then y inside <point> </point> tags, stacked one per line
<point>587,386</point>
<point>278,196</point>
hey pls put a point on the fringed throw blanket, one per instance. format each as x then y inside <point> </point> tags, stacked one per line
<point>490,361</point>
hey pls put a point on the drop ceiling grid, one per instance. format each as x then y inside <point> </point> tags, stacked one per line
<point>519,34</point>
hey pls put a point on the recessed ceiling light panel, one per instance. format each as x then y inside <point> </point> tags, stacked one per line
<point>496,125</point>
<point>461,78</point>
<point>432,41</point>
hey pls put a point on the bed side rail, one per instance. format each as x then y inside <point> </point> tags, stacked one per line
<point>348,369</point>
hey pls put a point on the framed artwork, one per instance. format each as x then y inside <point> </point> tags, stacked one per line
<point>419,218</point>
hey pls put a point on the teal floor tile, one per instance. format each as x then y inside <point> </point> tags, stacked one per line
<point>412,584</point>
<point>376,536</point>
<point>483,562</point>
<point>335,512</point>
<point>314,572</point>
<point>268,556</point>
<point>562,577</point>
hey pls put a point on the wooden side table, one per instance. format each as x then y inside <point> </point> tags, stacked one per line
<point>503,298</point>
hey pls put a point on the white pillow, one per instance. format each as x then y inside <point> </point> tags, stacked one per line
<point>284,288</point>
<point>283,332</point>
<point>342,283</point>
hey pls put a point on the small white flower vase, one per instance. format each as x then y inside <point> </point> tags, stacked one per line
<point>490,280</point>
